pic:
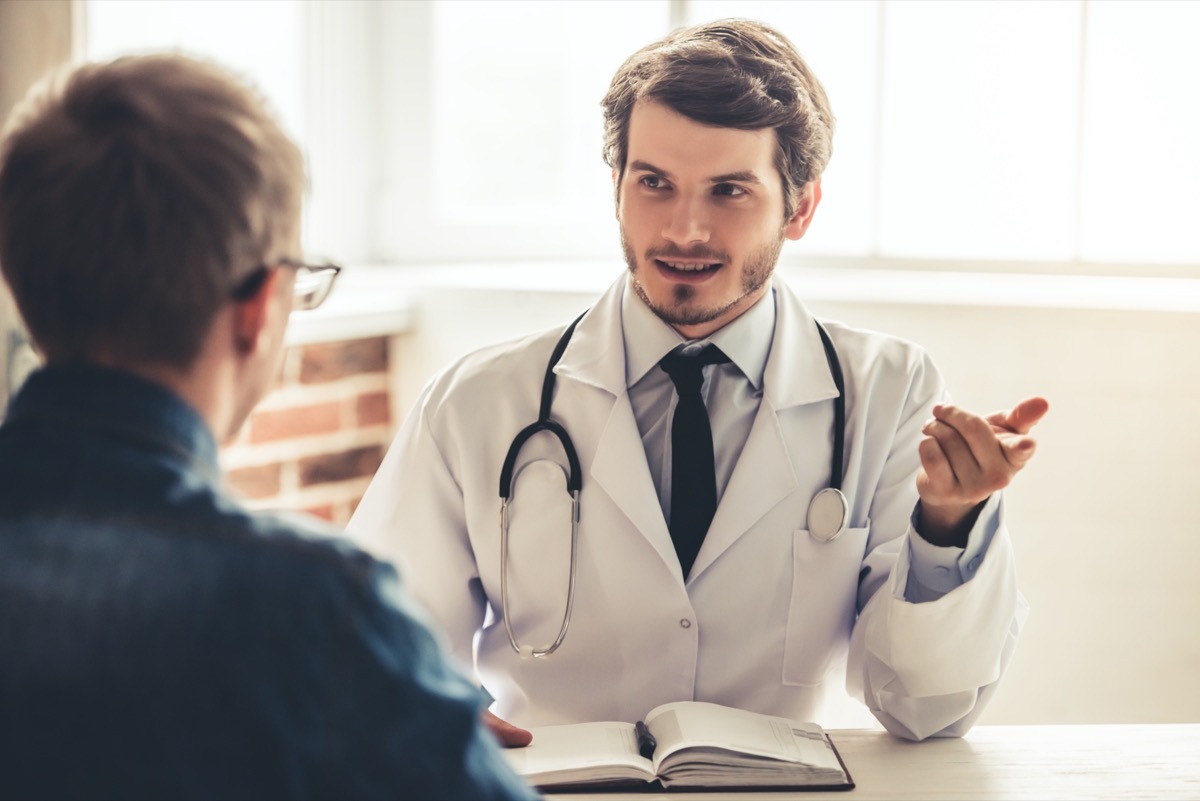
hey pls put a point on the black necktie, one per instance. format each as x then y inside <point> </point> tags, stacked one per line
<point>693,477</point>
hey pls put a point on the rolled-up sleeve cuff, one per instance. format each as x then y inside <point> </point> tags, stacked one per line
<point>935,570</point>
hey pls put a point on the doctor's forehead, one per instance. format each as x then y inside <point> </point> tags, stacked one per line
<point>665,142</point>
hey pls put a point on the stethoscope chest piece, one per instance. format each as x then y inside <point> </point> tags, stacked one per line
<point>827,514</point>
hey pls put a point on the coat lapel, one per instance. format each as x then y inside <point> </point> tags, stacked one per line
<point>596,356</point>
<point>620,469</point>
<point>762,478</point>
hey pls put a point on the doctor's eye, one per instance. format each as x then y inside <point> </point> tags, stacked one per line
<point>654,182</point>
<point>729,190</point>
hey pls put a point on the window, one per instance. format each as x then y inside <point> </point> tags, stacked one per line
<point>303,56</point>
<point>1050,133</point>
<point>491,115</point>
<point>261,40</point>
<point>978,136</point>
<point>1141,165</point>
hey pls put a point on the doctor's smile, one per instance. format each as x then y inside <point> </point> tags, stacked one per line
<point>695,268</point>
<point>689,270</point>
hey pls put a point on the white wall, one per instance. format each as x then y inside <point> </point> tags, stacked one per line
<point>1102,517</point>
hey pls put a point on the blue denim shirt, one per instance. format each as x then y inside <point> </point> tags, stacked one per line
<point>159,640</point>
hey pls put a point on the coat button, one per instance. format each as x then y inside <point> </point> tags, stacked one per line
<point>685,623</point>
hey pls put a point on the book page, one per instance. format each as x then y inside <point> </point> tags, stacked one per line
<point>580,753</point>
<point>694,724</point>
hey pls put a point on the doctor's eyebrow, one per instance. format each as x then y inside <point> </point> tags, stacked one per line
<point>645,166</point>
<point>741,176</point>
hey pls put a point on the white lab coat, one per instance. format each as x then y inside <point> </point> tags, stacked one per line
<point>770,618</point>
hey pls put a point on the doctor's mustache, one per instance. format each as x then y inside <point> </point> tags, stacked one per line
<point>668,254</point>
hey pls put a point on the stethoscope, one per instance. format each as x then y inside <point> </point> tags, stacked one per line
<point>828,511</point>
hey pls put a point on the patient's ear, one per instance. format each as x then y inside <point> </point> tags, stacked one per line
<point>252,313</point>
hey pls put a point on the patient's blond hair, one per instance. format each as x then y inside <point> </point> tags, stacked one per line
<point>134,194</point>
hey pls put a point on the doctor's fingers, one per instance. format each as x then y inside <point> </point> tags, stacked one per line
<point>939,485</point>
<point>998,450</point>
<point>983,439</point>
<point>975,429</point>
<point>1022,417</point>
<point>1017,449</point>
<point>954,443</point>
<point>980,467</point>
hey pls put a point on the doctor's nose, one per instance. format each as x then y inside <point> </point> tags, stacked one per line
<point>686,224</point>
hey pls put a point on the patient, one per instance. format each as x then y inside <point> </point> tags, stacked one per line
<point>156,638</point>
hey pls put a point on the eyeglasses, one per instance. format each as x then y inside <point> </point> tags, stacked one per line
<point>313,284</point>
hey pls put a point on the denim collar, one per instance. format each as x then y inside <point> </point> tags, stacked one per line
<point>133,408</point>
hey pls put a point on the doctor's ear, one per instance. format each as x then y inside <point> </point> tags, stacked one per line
<point>806,207</point>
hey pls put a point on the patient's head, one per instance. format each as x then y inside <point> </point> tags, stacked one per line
<point>134,196</point>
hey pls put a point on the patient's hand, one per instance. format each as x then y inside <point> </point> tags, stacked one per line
<point>510,736</point>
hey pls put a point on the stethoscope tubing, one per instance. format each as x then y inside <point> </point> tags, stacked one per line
<point>839,409</point>
<point>574,480</point>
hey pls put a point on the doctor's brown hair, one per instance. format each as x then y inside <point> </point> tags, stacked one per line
<point>731,73</point>
<point>133,196</point>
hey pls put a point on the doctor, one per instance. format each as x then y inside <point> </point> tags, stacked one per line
<point>717,137</point>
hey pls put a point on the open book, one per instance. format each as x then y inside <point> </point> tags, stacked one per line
<point>685,744</point>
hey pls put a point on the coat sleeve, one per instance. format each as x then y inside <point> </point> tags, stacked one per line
<point>413,515</point>
<point>926,664</point>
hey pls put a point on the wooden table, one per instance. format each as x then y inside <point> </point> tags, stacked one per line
<point>1153,761</point>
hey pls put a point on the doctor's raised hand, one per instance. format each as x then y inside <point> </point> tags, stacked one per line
<point>964,459</point>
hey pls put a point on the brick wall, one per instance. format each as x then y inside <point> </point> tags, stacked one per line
<point>314,442</point>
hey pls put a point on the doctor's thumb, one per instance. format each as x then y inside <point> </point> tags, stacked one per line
<point>1026,414</point>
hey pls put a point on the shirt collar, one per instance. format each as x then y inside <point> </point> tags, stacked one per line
<point>130,407</point>
<point>746,340</point>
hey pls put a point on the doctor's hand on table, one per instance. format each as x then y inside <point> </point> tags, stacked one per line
<point>964,459</point>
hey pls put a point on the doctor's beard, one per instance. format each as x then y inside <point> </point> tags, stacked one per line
<point>760,264</point>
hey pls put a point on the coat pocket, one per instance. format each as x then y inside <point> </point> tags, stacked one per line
<point>821,610</point>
